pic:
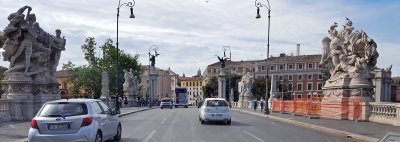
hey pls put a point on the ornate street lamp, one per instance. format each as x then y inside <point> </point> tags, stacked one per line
<point>128,4</point>
<point>258,5</point>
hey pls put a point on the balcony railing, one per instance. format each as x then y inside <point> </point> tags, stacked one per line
<point>384,112</point>
<point>4,110</point>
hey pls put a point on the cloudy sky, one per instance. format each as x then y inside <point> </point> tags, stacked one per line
<point>189,33</point>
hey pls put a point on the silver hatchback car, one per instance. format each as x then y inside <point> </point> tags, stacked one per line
<point>75,120</point>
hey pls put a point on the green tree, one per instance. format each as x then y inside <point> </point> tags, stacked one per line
<point>87,78</point>
<point>259,88</point>
<point>211,88</point>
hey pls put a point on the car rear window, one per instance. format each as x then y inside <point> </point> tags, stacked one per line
<point>166,100</point>
<point>63,109</point>
<point>216,103</point>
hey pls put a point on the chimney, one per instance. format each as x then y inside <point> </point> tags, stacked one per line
<point>298,50</point>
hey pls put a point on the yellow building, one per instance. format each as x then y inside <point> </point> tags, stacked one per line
<point>194,86</point>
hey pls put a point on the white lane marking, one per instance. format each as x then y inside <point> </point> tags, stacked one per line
<point>12,126</point>
<point>149,136</point>
<point>165,119</point>
<point>250,134</point>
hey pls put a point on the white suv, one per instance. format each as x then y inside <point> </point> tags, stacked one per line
<point>215,109</point>
<point>70,120</point>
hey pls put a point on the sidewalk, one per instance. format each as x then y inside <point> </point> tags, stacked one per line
<point>18,130</point>
<point>365,131</point>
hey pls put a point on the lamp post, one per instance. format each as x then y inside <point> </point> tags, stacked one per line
<point>128,4</point>
<point>258,5</point>
<point>226,48</point>
<point>151,83</point>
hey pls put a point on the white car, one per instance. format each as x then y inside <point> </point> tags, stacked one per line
<point>215,109</point>
<point>74,120</point>
<point>166,102</point>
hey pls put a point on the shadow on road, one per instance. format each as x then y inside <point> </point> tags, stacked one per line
<point>126,140</point>
<point>233,123</point>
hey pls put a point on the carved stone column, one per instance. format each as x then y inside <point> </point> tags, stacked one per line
<point>221,84</point>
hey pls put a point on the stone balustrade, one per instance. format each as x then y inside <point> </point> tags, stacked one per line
<point>385,112</point>
<point>4,110</point>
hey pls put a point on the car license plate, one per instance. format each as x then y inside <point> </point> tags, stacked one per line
<point>58,126</point>
<point>216,115</point>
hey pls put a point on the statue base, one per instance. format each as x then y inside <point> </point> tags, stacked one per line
<point>25,96</point>
<point>347,99</point>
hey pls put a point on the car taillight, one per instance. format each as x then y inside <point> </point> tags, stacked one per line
<point>86,121</point>
<point>34,124</point>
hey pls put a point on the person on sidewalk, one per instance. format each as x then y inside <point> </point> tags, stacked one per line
<point>255,105</point>
<point>120,102</point>
<point>126,101</point>
<point>262,105</point>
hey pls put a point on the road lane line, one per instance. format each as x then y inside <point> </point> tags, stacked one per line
<point>248,133</point>
<point>12,126</point>
<point>149,136</point>
<point>165,119</point>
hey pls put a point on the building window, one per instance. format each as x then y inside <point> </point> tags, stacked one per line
<point>290,77</point>
<point>147,81</point>
<point>309,86</point>
<point>310,77</point>
<point>272,68</point>
<point>310,66</point>
<point>290,87</point>
<point>280,77</point>
<point>319,86</point>
<point>262,67</point>
<point>281,67</point>
<point>290,67</point>
<point>300,67</point>
<point>299,86</point>
<point>319,76</point>
<point>300,77</point>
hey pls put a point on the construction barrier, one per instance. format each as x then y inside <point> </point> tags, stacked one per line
<point>343,108</point>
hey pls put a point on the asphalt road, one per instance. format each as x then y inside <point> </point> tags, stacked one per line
<point>182,125</point>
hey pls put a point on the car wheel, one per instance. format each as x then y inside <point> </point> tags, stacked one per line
<point>161,107</point>
<point>99,137</point>
<point>228,122</point>
<point>117,137</point>
<point>202,121</point>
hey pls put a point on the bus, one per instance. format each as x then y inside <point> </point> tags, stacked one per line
<point>180,98</point>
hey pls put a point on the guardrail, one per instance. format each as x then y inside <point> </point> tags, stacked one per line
<point>384,112</point>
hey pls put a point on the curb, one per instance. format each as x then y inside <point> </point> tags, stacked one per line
<point>315,127</point>
<point>119,116</point>
<point>124,114</point>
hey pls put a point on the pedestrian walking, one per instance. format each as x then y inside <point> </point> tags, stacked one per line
<point>262,105</point>
<point>120,102</point>
<point>255,105</point>
<point>126,101</point>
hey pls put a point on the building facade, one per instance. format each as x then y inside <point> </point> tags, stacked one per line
<point>194,86</point>
<point>166,82</point>
<point>301,75</point>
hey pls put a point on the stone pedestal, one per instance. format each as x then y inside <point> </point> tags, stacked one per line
<point>105,91</point>
<point>221,84</point>
<point>346,100</point>
<point>153,84</point>
<point>27,94</point>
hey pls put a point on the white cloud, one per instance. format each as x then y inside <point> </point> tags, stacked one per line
<point>190,32</point>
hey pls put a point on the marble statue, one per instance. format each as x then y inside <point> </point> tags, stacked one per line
<point>349,54</point>
<point>33,55</point>
<point>28,48</point>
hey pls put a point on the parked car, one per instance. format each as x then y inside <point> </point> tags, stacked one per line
<point>215,109</point>
<point>166,103</point>
<point>68,120</point>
